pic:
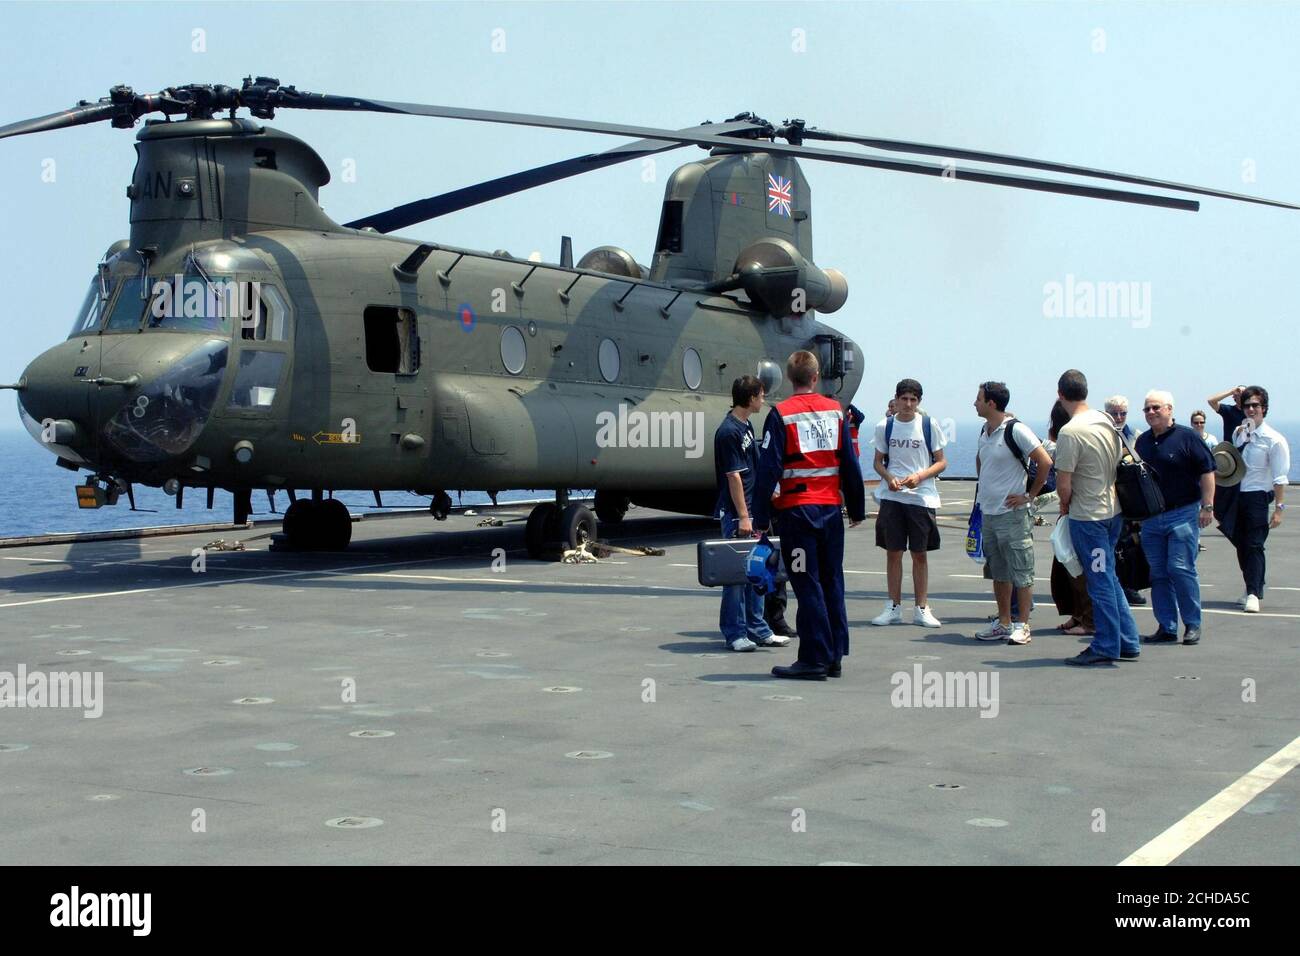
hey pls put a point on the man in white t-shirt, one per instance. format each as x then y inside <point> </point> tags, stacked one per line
<point>1006,447</point>
<point>909,455</point>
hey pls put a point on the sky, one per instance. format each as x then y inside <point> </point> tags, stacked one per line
<point>949,281</point>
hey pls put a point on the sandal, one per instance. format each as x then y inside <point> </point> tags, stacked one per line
<point>1072,622</point>
<point>1079,631</point>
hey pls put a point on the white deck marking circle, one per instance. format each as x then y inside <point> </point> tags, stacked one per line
<point>1191,829</point>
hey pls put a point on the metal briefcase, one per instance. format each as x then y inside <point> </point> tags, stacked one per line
<point>722,562</point>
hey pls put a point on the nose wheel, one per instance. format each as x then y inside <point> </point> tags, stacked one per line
<point>317,525</point>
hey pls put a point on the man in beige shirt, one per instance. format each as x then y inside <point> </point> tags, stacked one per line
<point>1087,451</point>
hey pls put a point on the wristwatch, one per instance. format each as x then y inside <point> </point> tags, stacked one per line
<point>1207,507</point>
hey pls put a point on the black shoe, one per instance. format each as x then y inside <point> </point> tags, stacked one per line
<point>1129,655</point>
<point>800,671</point>
<point>1088,656</point>
<point>1161,637</point>
<point>1134,598</point>
<point>834,670</point>
<point>1192,636</point>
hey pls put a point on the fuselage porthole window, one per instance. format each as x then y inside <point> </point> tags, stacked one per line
<point>609,360</point>
<point>692,369</point>
<point>514,350</point>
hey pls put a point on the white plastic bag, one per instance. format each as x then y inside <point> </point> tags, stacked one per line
<point>1063,547</point>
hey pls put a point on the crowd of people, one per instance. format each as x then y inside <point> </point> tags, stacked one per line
<point>804,476</point>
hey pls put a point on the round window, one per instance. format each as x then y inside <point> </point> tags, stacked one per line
<point>514,353</point>
<point>609,360</point>
<point>692,368</point>
<point>769,373</point>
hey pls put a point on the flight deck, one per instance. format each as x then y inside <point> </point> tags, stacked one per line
<point>431,695</point>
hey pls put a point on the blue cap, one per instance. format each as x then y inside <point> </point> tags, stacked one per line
<point>762,565</point>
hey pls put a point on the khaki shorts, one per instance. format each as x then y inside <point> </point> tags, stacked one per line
<point>1009,547</point>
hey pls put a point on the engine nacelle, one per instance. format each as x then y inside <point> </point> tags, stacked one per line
<point>613,261</point>
<point>776,276</point>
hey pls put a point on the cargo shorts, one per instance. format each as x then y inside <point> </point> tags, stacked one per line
<point>1009,547</point>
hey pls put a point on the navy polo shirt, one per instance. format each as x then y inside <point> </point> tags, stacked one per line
<point>734,449</point>
<point>1177,458</point>
<point>1232,416</point>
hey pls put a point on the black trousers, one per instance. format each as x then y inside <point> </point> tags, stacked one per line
<point>774,606</point>
<point>1249,532</point>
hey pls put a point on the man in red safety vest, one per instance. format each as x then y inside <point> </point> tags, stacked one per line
<point>807,450</point>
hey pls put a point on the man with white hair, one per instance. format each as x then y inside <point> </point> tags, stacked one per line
<point>1184,469</point>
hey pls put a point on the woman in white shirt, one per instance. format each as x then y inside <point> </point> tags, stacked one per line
<point>1198,426</point>
<point>1268,459</point>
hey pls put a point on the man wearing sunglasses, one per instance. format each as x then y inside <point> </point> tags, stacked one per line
<point>1184,469</point>
<point>1268,459</point>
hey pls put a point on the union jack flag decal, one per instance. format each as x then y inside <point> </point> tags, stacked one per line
<point>780,195</point>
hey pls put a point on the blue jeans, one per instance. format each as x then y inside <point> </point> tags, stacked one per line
<point>742,606</point>
<point>1170,541</point>
<point>1094,543</point>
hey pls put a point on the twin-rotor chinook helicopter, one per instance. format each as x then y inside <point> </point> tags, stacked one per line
<point>241,339</point>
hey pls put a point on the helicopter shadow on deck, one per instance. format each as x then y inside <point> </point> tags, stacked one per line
<point>455,552</point>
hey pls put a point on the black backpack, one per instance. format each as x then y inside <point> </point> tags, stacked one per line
<point>1030,466</point>
<point>925,427</point>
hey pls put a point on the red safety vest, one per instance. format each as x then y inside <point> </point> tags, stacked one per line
<point>811,471</point>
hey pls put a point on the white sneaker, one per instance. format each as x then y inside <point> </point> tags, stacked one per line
<point>997,631</point>
<point>774,640</point>
<point>923,617</point>
<point>892,614</point>
<point>1252,604</point>
<point>743,644</point>
<point>1019,634</point>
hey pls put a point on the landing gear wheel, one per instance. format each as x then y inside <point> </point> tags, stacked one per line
<point>577,526</point>
<point>317,525</point>
<point>334,525</point>
<point>611,506</point>
<point>543,526</point>
<point>300,524</point>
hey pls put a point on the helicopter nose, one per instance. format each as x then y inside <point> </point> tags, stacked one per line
<point>52,405</point>
<point>157,418</point>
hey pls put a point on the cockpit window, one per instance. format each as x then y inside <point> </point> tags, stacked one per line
<point>196,303</point>
<point>92,309</point>
<point>128,307</point>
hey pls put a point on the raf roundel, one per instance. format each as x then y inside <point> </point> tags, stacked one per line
<point>465,312</point>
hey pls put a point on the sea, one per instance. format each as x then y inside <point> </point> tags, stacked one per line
<point>38,497</point>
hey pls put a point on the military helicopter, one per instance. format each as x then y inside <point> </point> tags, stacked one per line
<point>241,339</point>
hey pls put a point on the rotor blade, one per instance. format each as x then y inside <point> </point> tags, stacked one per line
<point>421,210</point>
<point>88,113</point>
<point>927,149</point>
<point>290,98</point>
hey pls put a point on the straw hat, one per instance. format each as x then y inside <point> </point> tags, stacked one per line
<point>1229,466</point>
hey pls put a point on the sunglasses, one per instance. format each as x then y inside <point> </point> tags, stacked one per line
<point>1152,408</point>
<point>1253,405</point>
<point>1120,414</point>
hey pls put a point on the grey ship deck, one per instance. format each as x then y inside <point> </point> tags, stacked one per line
<point>463,673</point>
